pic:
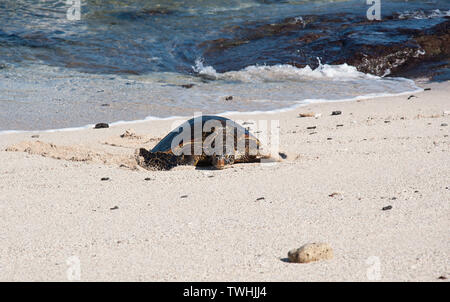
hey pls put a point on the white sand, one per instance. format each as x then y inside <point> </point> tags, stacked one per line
<point>52,209</point>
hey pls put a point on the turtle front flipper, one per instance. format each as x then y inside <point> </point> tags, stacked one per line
<point>220,161</point>
<point>156,160</point>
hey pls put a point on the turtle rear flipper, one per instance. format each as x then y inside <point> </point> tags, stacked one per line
<point>156,160</point>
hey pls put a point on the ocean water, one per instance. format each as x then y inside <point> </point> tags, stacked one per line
<point>129,60</point>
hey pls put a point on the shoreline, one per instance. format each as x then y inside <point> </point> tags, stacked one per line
<point>300,104</point>
<point>192,224</point>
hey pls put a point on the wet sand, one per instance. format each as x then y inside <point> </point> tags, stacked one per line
<point>204,225</point>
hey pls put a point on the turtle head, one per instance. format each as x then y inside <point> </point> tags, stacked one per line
<point>219,161</point>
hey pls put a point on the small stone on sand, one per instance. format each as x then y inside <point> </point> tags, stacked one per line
<point>311,252</point>
<point>282,155</point>
<point>444,125</point>
<point>183,196</point>
<point>101,125</point>
<point>387,208</point>
<point>337,112</point>
<point>310,128</point>
<point>104,178</point>
<point>229,98</point>
<point>114,208</point>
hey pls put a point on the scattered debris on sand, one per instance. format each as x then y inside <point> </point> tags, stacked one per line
<point>335,194</point>
<point>307,114</point>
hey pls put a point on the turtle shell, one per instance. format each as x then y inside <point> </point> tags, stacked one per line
<point>231,128</point>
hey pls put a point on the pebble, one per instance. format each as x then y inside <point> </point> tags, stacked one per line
<point>312,127</point>
<point>101,125</point>
<point>187,86</point>
<point>282,155</point>
<point>183,196</point>
<point>35,136</point>
<point>337,112</point>
<point>104,178</point>
<point>147,179</point>
<point>387,208</point>
<point>340,125</point>
<point>105,105</point>
<point>114,208</point>
<point>444,125</point>
<point>311,252</point>
<point>260,198</point>
<point>411,96</point>
<point>229,98</point>
<point>442,278</point>
<point>427,89</point>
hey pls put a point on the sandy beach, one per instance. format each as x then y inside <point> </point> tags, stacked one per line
<point>237,224</point>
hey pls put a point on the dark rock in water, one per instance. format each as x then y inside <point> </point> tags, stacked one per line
<point>104,178</point>
<point>229,98</point>
<point>187,86</point>
<point>337,112</point>
<point>142,14</point>
<point>101,125</point>
<point>387,208</point>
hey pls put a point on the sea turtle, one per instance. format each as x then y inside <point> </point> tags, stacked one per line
<point>203,141</point>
